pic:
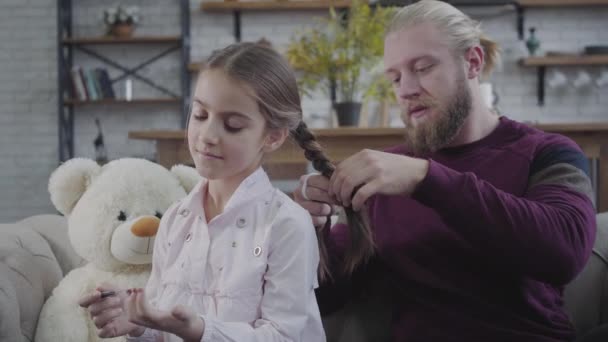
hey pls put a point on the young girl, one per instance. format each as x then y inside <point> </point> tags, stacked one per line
<point>236,260</point>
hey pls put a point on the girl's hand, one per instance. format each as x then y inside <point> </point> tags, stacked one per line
<point>375,172</point>
<point>181,321</point>
<point>107,312</point>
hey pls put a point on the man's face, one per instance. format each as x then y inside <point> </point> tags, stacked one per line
<point>430,84</point>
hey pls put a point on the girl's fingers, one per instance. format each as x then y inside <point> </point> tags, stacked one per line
<point>103,305</point>
<point>107,316</point>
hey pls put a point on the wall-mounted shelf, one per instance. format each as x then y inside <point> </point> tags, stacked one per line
<point>123,101</point>
<point>520,6</point>
<point>131,40</point>
<point>541,64</point>
<point>565,60</point>
<point>236,7</point>
<point>229,6</point>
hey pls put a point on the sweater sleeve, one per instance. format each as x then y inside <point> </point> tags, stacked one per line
<point>546,234</point>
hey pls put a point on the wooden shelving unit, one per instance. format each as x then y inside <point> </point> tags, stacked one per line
<point>561,3</point>
<point>132,40</point>
<point>123,101</point>
<point>68,43</point>
<point>229,6</point>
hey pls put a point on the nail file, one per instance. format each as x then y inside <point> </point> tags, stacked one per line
<point>105,294</point>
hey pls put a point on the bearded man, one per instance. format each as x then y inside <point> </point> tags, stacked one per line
<point>480,221</point>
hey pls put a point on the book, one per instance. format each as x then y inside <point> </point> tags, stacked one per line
<point>80,92</point>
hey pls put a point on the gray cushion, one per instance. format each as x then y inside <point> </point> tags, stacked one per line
<point>29,271</point>
<point>586,298</point>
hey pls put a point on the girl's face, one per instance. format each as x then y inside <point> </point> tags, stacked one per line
<point>227,134</point>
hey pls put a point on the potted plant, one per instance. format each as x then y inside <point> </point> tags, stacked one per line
<point>121,21</point>
<point>335,53</point>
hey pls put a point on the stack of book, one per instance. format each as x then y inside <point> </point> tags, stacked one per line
<point>90,84</point>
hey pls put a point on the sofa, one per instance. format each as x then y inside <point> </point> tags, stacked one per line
<point>35,254</point>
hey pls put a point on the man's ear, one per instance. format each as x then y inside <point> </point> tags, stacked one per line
<point>275,138</point>
<point>474,58</point>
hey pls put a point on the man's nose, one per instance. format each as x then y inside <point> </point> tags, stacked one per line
<point>409,87</point>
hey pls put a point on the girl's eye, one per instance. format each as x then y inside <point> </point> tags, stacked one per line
<point>233,125</point>
<point>396,80</point>
<point>198,113</point>
<point>232,129</point>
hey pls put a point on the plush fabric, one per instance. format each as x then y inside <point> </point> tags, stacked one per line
<point>113,213</point>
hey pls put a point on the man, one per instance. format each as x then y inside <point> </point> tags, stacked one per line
<point>479,220</point>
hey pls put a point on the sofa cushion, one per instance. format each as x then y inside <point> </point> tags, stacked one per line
<point>29,271</point>
<point>586,298</point>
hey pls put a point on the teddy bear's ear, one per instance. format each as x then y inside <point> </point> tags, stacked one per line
<point>188,176</point>
<point>69,181</point>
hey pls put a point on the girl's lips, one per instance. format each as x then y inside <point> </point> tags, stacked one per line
<point>208,155</point>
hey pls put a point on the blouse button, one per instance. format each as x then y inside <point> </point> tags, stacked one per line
<point>185,212</point>
<point>241,222</point>
<point>188,237</point>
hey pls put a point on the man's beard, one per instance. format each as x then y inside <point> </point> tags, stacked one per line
<point>434,134</point>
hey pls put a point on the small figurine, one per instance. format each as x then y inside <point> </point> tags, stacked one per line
<point>532,43</point>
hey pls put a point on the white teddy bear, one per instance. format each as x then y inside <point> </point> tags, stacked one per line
<point>113,214</point>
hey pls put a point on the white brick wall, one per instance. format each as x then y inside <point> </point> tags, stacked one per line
<point>28,118</point>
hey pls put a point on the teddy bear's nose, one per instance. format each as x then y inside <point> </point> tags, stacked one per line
<point>145,226</point>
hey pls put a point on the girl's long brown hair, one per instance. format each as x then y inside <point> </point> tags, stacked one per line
<point>275,89</point>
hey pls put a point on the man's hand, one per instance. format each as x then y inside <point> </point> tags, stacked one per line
<point>375,172</point>
<point>181,321</point>
<point>318,204</point>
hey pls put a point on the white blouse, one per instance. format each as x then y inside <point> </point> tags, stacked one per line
<point>250,272</point>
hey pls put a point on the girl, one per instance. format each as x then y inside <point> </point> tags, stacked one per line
<point>236,260</point>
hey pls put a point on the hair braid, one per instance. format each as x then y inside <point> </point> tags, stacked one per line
<point>361,247</point>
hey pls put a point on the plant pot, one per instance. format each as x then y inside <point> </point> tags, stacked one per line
<point>123,30</point>
<point>348,113</point>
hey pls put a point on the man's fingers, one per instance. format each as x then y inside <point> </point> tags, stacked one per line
<point>363,193</point>
<point>316,181</point>
<point>317,208</point>
<point>319,221</point>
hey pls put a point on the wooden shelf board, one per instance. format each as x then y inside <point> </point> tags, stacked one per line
<point>131,40</point>
<point>122,101</point>
<point>562,3</point>
<point>565,60</point>
<point>225,6</point>
<point>364,133</point>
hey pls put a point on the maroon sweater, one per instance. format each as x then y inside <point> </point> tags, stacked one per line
<point>483,248</point>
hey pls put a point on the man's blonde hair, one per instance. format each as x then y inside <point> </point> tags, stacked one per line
<point>460,30</point>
